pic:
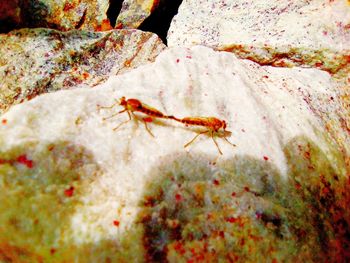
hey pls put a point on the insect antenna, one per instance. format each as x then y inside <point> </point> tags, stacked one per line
<point>224,137</point>
<point>233,145</point>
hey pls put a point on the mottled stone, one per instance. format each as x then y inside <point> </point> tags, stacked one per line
<point>62,15</point>
<point>133,13</point>
<point>280,33</point>
<point>36,61</point>
<point>90,193</point>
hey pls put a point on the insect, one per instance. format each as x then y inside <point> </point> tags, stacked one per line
<point>132,105</point>
<point>212,124</point>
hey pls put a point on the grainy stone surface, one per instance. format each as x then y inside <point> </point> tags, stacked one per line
<point>133,13</point>
<point>281,33</point>
<point>280,194</point>
<point>36,61</point>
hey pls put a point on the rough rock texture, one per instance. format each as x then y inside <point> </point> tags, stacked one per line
<point>35,61</point>
<point>62,15</point>
<point>90,194</point>
<point>280,33</point>
<point>133,13</point>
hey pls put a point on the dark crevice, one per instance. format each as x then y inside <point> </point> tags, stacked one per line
<point>113,11</point>
<point>81,21</point>
<point>159,21</point>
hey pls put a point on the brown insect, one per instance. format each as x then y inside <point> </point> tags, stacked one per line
<point>132,105</point>
<point>212,124</point>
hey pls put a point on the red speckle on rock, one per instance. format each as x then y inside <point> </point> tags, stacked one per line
<point>22,159</point>
<point>68,6</point>
<point>242,242</point>
<point>116,223</point>
<point>188,57</point>
<point>246,188</point>
<point>50,147</point>
<point>231,219</point>
<point>233,194</point>
<point>266,158</point>
<point>178,198</point>
<point>258,215</point>
<point>216,182</point>
<point>178,60</point>
<point>119,26</point>
<point>307,154</point>
<point>52,251</point>
<point>69,192</point>
<point>85,75</point>
<point>179,248</point>
<point>4,121</point>
<point>105,26</point>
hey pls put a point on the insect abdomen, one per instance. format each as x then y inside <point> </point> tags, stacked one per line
<point>152,113</point>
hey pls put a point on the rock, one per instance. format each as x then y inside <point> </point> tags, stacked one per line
<point>133,13</point>
<point>61,15</point>
<point>88,193</point>
<point>36,61</point>
<point>285,33</point>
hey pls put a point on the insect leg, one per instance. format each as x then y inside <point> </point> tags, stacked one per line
<point>106,118</point>
<point>212,136</point>
<point>149,131</point>
<point>195,137</point>
<point>116,128</point>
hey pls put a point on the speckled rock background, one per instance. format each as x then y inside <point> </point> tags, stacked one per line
<point>73,189</point>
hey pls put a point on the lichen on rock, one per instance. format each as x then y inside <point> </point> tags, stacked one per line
<point>61,15</point>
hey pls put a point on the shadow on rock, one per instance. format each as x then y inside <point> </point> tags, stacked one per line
<point>243,210</point>
<point>41,188</point>
<point>239,210</point>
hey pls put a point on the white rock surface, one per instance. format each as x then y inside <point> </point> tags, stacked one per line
<point>313,32</point>
<point>265,108</point>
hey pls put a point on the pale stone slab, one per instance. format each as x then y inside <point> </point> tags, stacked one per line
<point>89,193</point>
<point>280,33</point>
